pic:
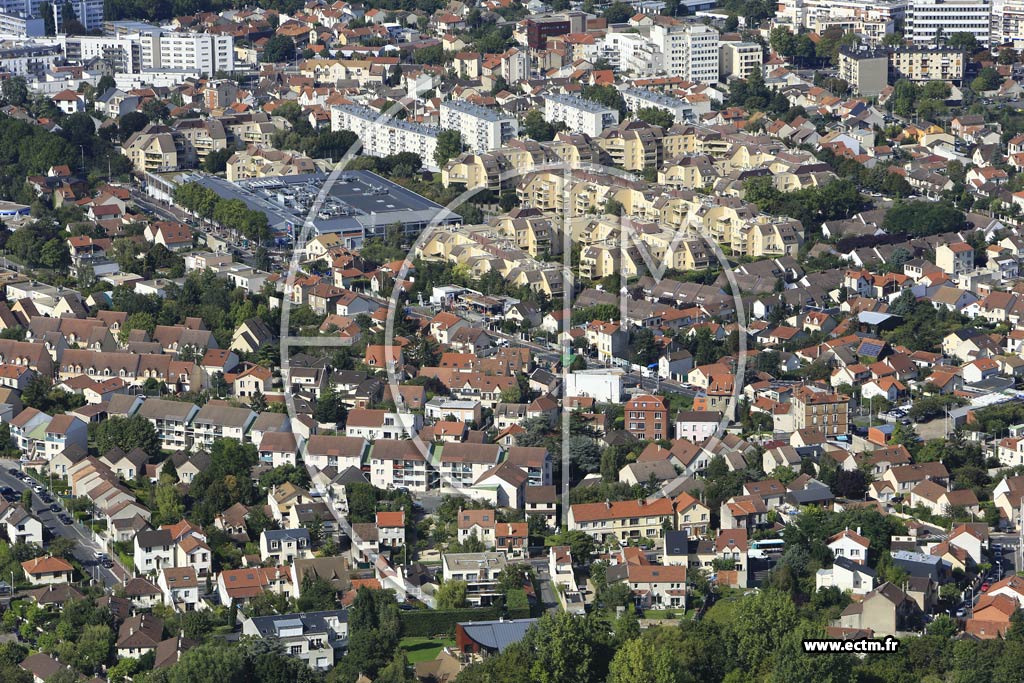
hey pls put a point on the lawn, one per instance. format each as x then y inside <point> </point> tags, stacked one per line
<point>420,649</point>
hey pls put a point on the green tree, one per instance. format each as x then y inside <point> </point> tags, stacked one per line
<point>127,433</point>
<point>640,661</point>
<point>536,127</point>
<point>278,49</point>
<point>656,116</point>
<point>762,623</point>
<point>449,145</point>
<point>451,595</point>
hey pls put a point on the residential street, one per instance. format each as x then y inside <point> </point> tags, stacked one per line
<point>86,547</point>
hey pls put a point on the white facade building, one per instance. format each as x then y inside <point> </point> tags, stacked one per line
<point>382,136</point>
<point>689,50</point>
<point>928,20</point>
<point>580,115</point>
<point>641,98</point>
<point>171,51</point>
<point>482,129</point>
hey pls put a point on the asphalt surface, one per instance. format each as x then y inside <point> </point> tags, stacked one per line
<point>86,547</point>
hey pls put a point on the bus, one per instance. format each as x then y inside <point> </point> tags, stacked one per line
<point>766,548</point>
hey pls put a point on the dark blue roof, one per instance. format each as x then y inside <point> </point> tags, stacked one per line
<point>497,635</point>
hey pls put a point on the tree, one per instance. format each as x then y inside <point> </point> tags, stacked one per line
<point>93,647</point>
<point>987,79</point>
<point>761,624</point>
<point>569,649</point>
<point>127,433</point>
<point>14,90</point>
<point>278,49</point>
<point>168,503</point>
<point>217,161</point>
<point>656,116</point>
<point>316,593</point>
<point>943,625</point>
<point>451,595</point>
<point>449,145</point>
<point>618,13</point>
<point>963,41</point>
<point>536,127</point>
<point>639,661</point>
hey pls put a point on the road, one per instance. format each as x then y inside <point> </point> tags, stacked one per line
<point>86,547</point>
<point>547,592</point>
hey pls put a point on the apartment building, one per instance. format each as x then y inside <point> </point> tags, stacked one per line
<point>382,136</point>
<point>689,50</point>
<point>867,71</point>
<point>825,410</point>
<point>399,464</point>
<point>622,520</point>
<point>870,20</point>
<point>124,54</point>
<point>647,417</point>
<point>739,59</point>
<point>15,24</point>
<point>171,419</point>
<point>482,129</point>
<point>926,64</point>
<point>641,98</point>
<point>578,114</point>
<point>206,53</point>
<point>929,20</point>
<point>462,464</point>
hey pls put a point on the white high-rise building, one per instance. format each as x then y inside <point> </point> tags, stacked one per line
<point>930,21</point>
<point>482,129</point>
<point>383,136</point>
<point>203,52</point>
<point>689,50</point>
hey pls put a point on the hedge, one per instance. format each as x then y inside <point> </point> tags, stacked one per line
<point>428,623</point>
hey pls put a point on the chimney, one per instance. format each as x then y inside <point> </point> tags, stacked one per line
<point>858,531</point>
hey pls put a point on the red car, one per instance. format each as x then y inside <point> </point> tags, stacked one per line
<point>984,587</point>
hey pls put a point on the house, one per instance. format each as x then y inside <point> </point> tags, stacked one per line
<point>886,611</point>
<point>646,417</point>
<point>692,516</point>
<point>697,425</point>
<point>391,529</point>
<point>542,503</point>
<point>511,537</point>
<point>142,593</point>
<point>316,638</point>
<point>846,575</point>
<point>480,524</point>
<point>374,424</point>
<point>139,635</point>
<point>972,539</point>
<point>340,452</point>
<point>850,545</point>
<point>622,520</point>
<point>46,570</point>
<point>990,617</point>
<point>22,526</point>
<point>180,586</point>
<point>43,667</point>
<point>284,546</point>
<point>731,551</point>
<point>240,585</point>
<point>656,586</point>
<point>154,550</point>
<point>490,637</point>
<point>480,572</point>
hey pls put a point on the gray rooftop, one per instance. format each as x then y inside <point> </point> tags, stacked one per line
<point>497,635</point>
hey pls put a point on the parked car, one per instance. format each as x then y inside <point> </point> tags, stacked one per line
<point>984,587</point>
